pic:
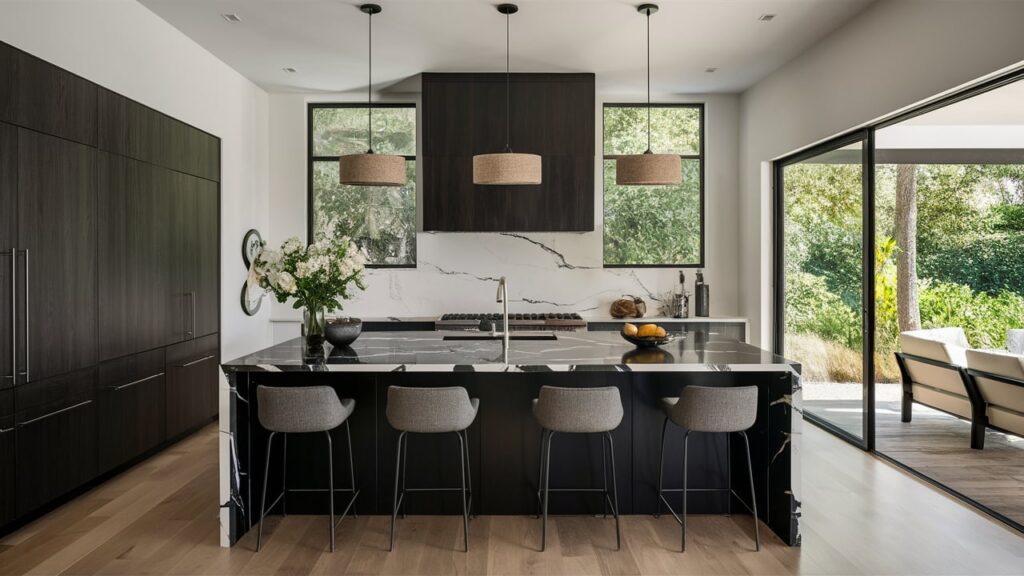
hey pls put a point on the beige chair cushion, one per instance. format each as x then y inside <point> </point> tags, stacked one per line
<point>1005,401</point>
<point>945,344</point>
<point>953,403</point>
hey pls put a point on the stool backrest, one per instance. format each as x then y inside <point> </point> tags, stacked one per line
<point>716,409</point>
<point>429,410</point>
<point>299,409</point>
<point>579,409</point>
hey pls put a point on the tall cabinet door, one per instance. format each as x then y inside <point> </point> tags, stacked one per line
<point>207,257</point>
<point>57,230</point>
<point>8,241</point>
<point>184,242</point>
<point>135,297</point>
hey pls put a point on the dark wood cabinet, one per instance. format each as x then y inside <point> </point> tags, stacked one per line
<point>130,402</point>
<point>191,372</point>
<point>8,244</point>
<point>46,98</point>
<point>137,131</point>
<point>55,437</point>
<point>551,115</point>
<point>109,282</point>
<point>136,300</point>
<point>57,233</point>
<point>7,464</point>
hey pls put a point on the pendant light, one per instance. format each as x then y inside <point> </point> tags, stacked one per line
<point>648,169</point>
<point>371,169</point>
<point>507,167</point>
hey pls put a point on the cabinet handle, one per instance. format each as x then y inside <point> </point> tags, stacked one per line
<point>194,362</point>
<point>28,316</point>
<point>134,382</point>
<point>61,411</point>
<point>6,430</point>
<point>14,316</point>
<point>193,332</point>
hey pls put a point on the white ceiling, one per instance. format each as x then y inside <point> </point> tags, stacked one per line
<point>325,40</point>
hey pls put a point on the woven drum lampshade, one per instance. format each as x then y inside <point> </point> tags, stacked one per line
<point>506,168</point>
<point>372,170</point>
<point>648,170</point>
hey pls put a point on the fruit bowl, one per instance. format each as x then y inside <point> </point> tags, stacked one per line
<point>648,341</point>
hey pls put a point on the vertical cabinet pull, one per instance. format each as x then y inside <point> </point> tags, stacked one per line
<point>14,316</point>
<point>28,318</point>
<point>193,332</point>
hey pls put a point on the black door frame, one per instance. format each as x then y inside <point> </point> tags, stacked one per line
<point>866,137</point>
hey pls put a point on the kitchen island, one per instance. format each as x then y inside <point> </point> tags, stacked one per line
<point>504,441</point>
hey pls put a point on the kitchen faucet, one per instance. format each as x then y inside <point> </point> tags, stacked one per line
<point>503,299</point>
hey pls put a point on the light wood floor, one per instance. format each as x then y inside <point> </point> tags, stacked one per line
<point>861,516</point>
<point>938,446</point>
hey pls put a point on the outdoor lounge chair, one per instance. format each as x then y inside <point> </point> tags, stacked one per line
<point>999,378</point>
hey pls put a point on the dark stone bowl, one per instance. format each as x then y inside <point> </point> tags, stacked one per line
<point>341,332</point>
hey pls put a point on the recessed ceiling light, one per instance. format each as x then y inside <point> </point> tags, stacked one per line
<point>231,17</point>
<point>289,70</point>
<point>766,17</point>
<point>711,69</point>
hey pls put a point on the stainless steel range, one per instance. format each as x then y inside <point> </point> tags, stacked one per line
<point>522,321</point>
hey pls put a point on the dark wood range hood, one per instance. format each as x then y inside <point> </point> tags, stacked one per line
<point>551,115</point>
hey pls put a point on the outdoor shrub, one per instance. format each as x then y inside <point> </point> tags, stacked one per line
<point>812,308</point>
<point>989,263</point>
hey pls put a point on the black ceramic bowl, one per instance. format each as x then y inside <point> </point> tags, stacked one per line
<point>341,332</point>
<point>648,341</point>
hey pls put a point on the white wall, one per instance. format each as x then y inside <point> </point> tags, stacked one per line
<point>894,54</point>
<point>451,266</point>
<point>121,45</point>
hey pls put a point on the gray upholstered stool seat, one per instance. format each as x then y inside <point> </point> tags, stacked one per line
<point>304,410</point>
<point>709,410</point>
<point>431,411</point>
<point>578,411</point>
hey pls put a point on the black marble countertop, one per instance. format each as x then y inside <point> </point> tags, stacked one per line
<point>571,351</point>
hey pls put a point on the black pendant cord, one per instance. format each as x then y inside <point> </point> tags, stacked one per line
<point>369,88</point>
<point>508,84</point>
<point>648,82</point>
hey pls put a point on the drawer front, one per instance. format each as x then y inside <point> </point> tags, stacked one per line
<point>131,408</point>
<point>191,384</point>
<point>55,446</point>
<point>43,397</point>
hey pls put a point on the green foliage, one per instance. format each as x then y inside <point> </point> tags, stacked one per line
<point>652,224</point>
<point>990,263</point>
<point>985,318</point>
<point>317,277</point>
<point>812,308</point>
<point>887,326</point>
<point>381,220</point>
<point>339,131</point>
<point>1009,217</point>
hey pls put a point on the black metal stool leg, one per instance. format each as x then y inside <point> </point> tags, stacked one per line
<point>604,478</point>
<point>547,492</point>
<point>465,507</point>
<point>330,481</point>
<point>469,473</point>
<point>540,473</point>
<point>405,453</point>
<point>284,476</point>
<point>351,468</point>
<point>753,497</point>
<point>394,509</point>
<point>263,499</point>
<point>686,455</point>
<point>661,469</point>
<point>615,492</point>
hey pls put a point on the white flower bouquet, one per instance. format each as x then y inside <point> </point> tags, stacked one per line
<point>318,277</point>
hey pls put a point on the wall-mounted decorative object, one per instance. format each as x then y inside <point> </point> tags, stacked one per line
<point>371,169</point>
<point>507,167</point>
<point>252,243</point>
<point>252,299</point>
<point>648,169</point>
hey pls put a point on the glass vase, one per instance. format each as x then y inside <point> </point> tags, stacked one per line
<point>313,327</point>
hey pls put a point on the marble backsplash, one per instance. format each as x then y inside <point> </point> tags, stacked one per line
<point>458,272</point>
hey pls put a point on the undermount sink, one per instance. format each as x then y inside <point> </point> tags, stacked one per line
<point>512,336</point>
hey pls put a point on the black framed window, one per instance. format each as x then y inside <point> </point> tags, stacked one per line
<point>382,220</point>
<point>654,226</point>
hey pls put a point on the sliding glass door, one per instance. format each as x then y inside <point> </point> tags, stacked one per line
<point>821,258</point>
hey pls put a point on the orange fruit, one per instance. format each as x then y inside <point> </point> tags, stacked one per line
<point>660,332</point>
<point>629,329</point>
<point>647,330</point>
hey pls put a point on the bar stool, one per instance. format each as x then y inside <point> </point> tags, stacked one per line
<point>431,411</point>
<point>304,410</point>
<point>577,411</point>
<point>713,410</point>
